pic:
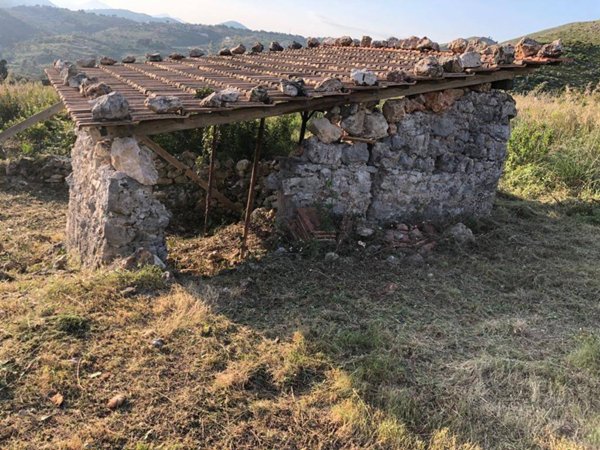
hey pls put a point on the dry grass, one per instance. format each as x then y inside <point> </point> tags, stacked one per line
<point>494,346</point>
<point>555,146</point>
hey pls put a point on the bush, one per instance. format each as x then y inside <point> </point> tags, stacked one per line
<point>238,140</point>
<point>20,101</point>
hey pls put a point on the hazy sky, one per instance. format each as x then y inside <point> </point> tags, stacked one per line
<point>441,20</point>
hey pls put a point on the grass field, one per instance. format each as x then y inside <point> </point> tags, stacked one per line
<point>495,345</point>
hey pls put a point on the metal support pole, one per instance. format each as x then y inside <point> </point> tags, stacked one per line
<point>211,172</point>
<point>305,116</point>
<point>253,177</point>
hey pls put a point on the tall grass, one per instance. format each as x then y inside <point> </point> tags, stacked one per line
<point>555,146</point>
<point>20,101</point>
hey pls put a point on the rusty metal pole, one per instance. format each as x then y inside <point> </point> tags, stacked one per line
<point>253,177</point>
<point>211,172</point>
<point>305,116</point>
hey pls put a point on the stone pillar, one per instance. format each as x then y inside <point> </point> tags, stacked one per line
<point>435,158</point>
<point>112,211</point>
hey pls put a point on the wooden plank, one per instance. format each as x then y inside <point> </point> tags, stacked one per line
<point>188,172</point>
<point>242,115</point>
<point>31,121</point>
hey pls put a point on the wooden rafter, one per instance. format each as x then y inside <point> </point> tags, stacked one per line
<point>31,121</point>
<point>224,201</point>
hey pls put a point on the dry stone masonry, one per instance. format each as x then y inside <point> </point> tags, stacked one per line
<point>112,209</point>
<point>436,158</point>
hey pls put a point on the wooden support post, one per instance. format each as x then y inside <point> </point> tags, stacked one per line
<point>211,173</point>
<point>188,172</point>
<point>253,177</point>
<point>31,121</point>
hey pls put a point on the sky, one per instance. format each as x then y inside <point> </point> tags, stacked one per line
<point>441,20</point>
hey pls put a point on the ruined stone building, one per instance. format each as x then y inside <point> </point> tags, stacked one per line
<point>401,130</point>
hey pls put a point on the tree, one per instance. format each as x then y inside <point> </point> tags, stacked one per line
<point>3,70</point>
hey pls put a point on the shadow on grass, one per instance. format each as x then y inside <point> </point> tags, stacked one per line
<point>477,339</point>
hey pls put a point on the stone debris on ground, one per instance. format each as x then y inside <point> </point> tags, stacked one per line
<point>111,107</point>
<point>225,52</point>
<point>176,56</point>
<point>128,59</point>
<point>461,234</point>
<point>165,104</point>
<point>295,45</point>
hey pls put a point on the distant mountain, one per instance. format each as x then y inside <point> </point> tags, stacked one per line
<point>234,24</point>
<point>13,3</point>
<point>31,38</point>
<point>582,43</point>
<point>135,16</point>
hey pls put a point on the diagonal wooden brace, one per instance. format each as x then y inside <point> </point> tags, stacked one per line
<point>188,172</point>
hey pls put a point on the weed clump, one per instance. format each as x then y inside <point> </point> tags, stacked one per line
<point>73,325</point>
<point>587,354</point>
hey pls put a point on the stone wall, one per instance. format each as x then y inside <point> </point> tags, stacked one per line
<point>112,210</point>
<point>435,158</point>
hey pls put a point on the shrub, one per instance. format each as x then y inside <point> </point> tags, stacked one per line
<point>20,101</point>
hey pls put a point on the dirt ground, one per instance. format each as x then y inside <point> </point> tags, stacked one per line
<point>491,345</point>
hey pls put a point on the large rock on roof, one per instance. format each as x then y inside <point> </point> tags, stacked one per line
<point>363,77</point>
<point>329,85</point>
<point>87,63</point>
<point>427,44</point>
<point>239,49</point>
<point>552,50</point>
<point>259,94</point>
<point>164,104</point>
<point>113,106</point>
<point>293,88</point>
<point>275,47</point>
<point>313,42</point>
<point>221,99</point>
<point>527,48</point>
<point>470,60</point>
<point>196,53</point>
<point>92,89</point>
<point>428,67</point>
<point>257,48</point>
<point>458,46</point>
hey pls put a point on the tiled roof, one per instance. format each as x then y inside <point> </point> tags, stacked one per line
<point>182,78</point>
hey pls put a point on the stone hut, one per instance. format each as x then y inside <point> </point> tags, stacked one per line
<point>401,131</point>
